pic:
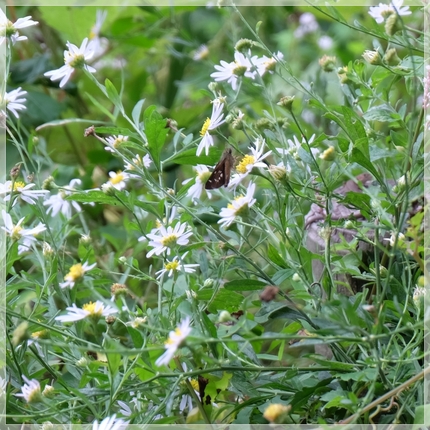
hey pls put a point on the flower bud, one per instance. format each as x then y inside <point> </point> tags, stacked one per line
<point>277,413</point>
<point>391,57</point>
<point>329,154</point>
<point>286,102</point>
<point>327,63</point>
<point>244,45</point>
<point>372,57</point>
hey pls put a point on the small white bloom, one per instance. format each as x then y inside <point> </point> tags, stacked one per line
<point>76,273</point>
<point>30,391</point>
<point>100,44</point>
<point>295,145</point>
<point>110,423</point>
<point>237,207</point>
<point>164,239</point>
<point>91,310</point>
<point>266,64</point>
<point>9,30</point>
<point>176,265</point>
<point>249,162</point>
<point>144,162</point>
<point>115,142</point>
<point>400,239</point>
<point>58,203</point>
<point>210,124</point>
<point>383,11</point>
<point>74,58</point>
<point>13,101</point>
<point>124,408</point>
<point>17,232</point>
<point>195,191</point>
<point>119,179</point>
<point>201,53</point>
<point>241,66</point>
<point>307,24</point>
<point>24,191</point>
<point>176,338</point>
<point>325,42</point>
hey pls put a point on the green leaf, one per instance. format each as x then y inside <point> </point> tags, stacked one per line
<point>383,113</point>
<point>223,300</point>
<point>113,95</point>
<point>93,197</point>
<point>156,132</point>
<point>244,285</point>
<point>137,110</point>
<point>281,275</point>
<point>190,158</point>
<point>274,256</point>
<point>359,158</point>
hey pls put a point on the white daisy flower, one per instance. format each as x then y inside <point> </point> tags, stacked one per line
<point>164,239</point>
<point>119,179</point>
<point>100,44</point>
<point>90,310</point>
<point>175,340</point>
<point>210,124</point>
<point>201,53</point>
<point>17,232</point>
<point>295,145</point>
<point>307,24</point>
<point>195,191</point>
<point>74,58</point>
<point>9,30</point>
<point>176,265</point>
<point>383,11</point>
<point>76,273</point>
<point>58,203</point>
<point>266,64</point>
<point>237,207</point>
<point>13,102</point>
<point>110,423</point>
<point>24,191</point>
<point>144,162</point>
<point>30,391</point>
<point>230,72</point>
<point>115,142</point>
<point>249,162</point>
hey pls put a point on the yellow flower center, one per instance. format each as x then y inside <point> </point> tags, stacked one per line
<point>239,70</point>
<point>77,62</point>
<point>75,272</point>
<point>195,384</point>
<point>16,232</point>
<point>204,176</point>
<point>170,341</point>
<point>205,127</point>
<point>229,206</point>
<point>169,240</point>
<point>91,308</point>
<point>34,396</point>
<point>117,179</point>
<point>173,265</point>
<point>248,159</point>
<point>18,184</point>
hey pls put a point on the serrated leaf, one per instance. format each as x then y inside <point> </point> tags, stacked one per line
<point>244,285</point>
<point>93,197</point>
